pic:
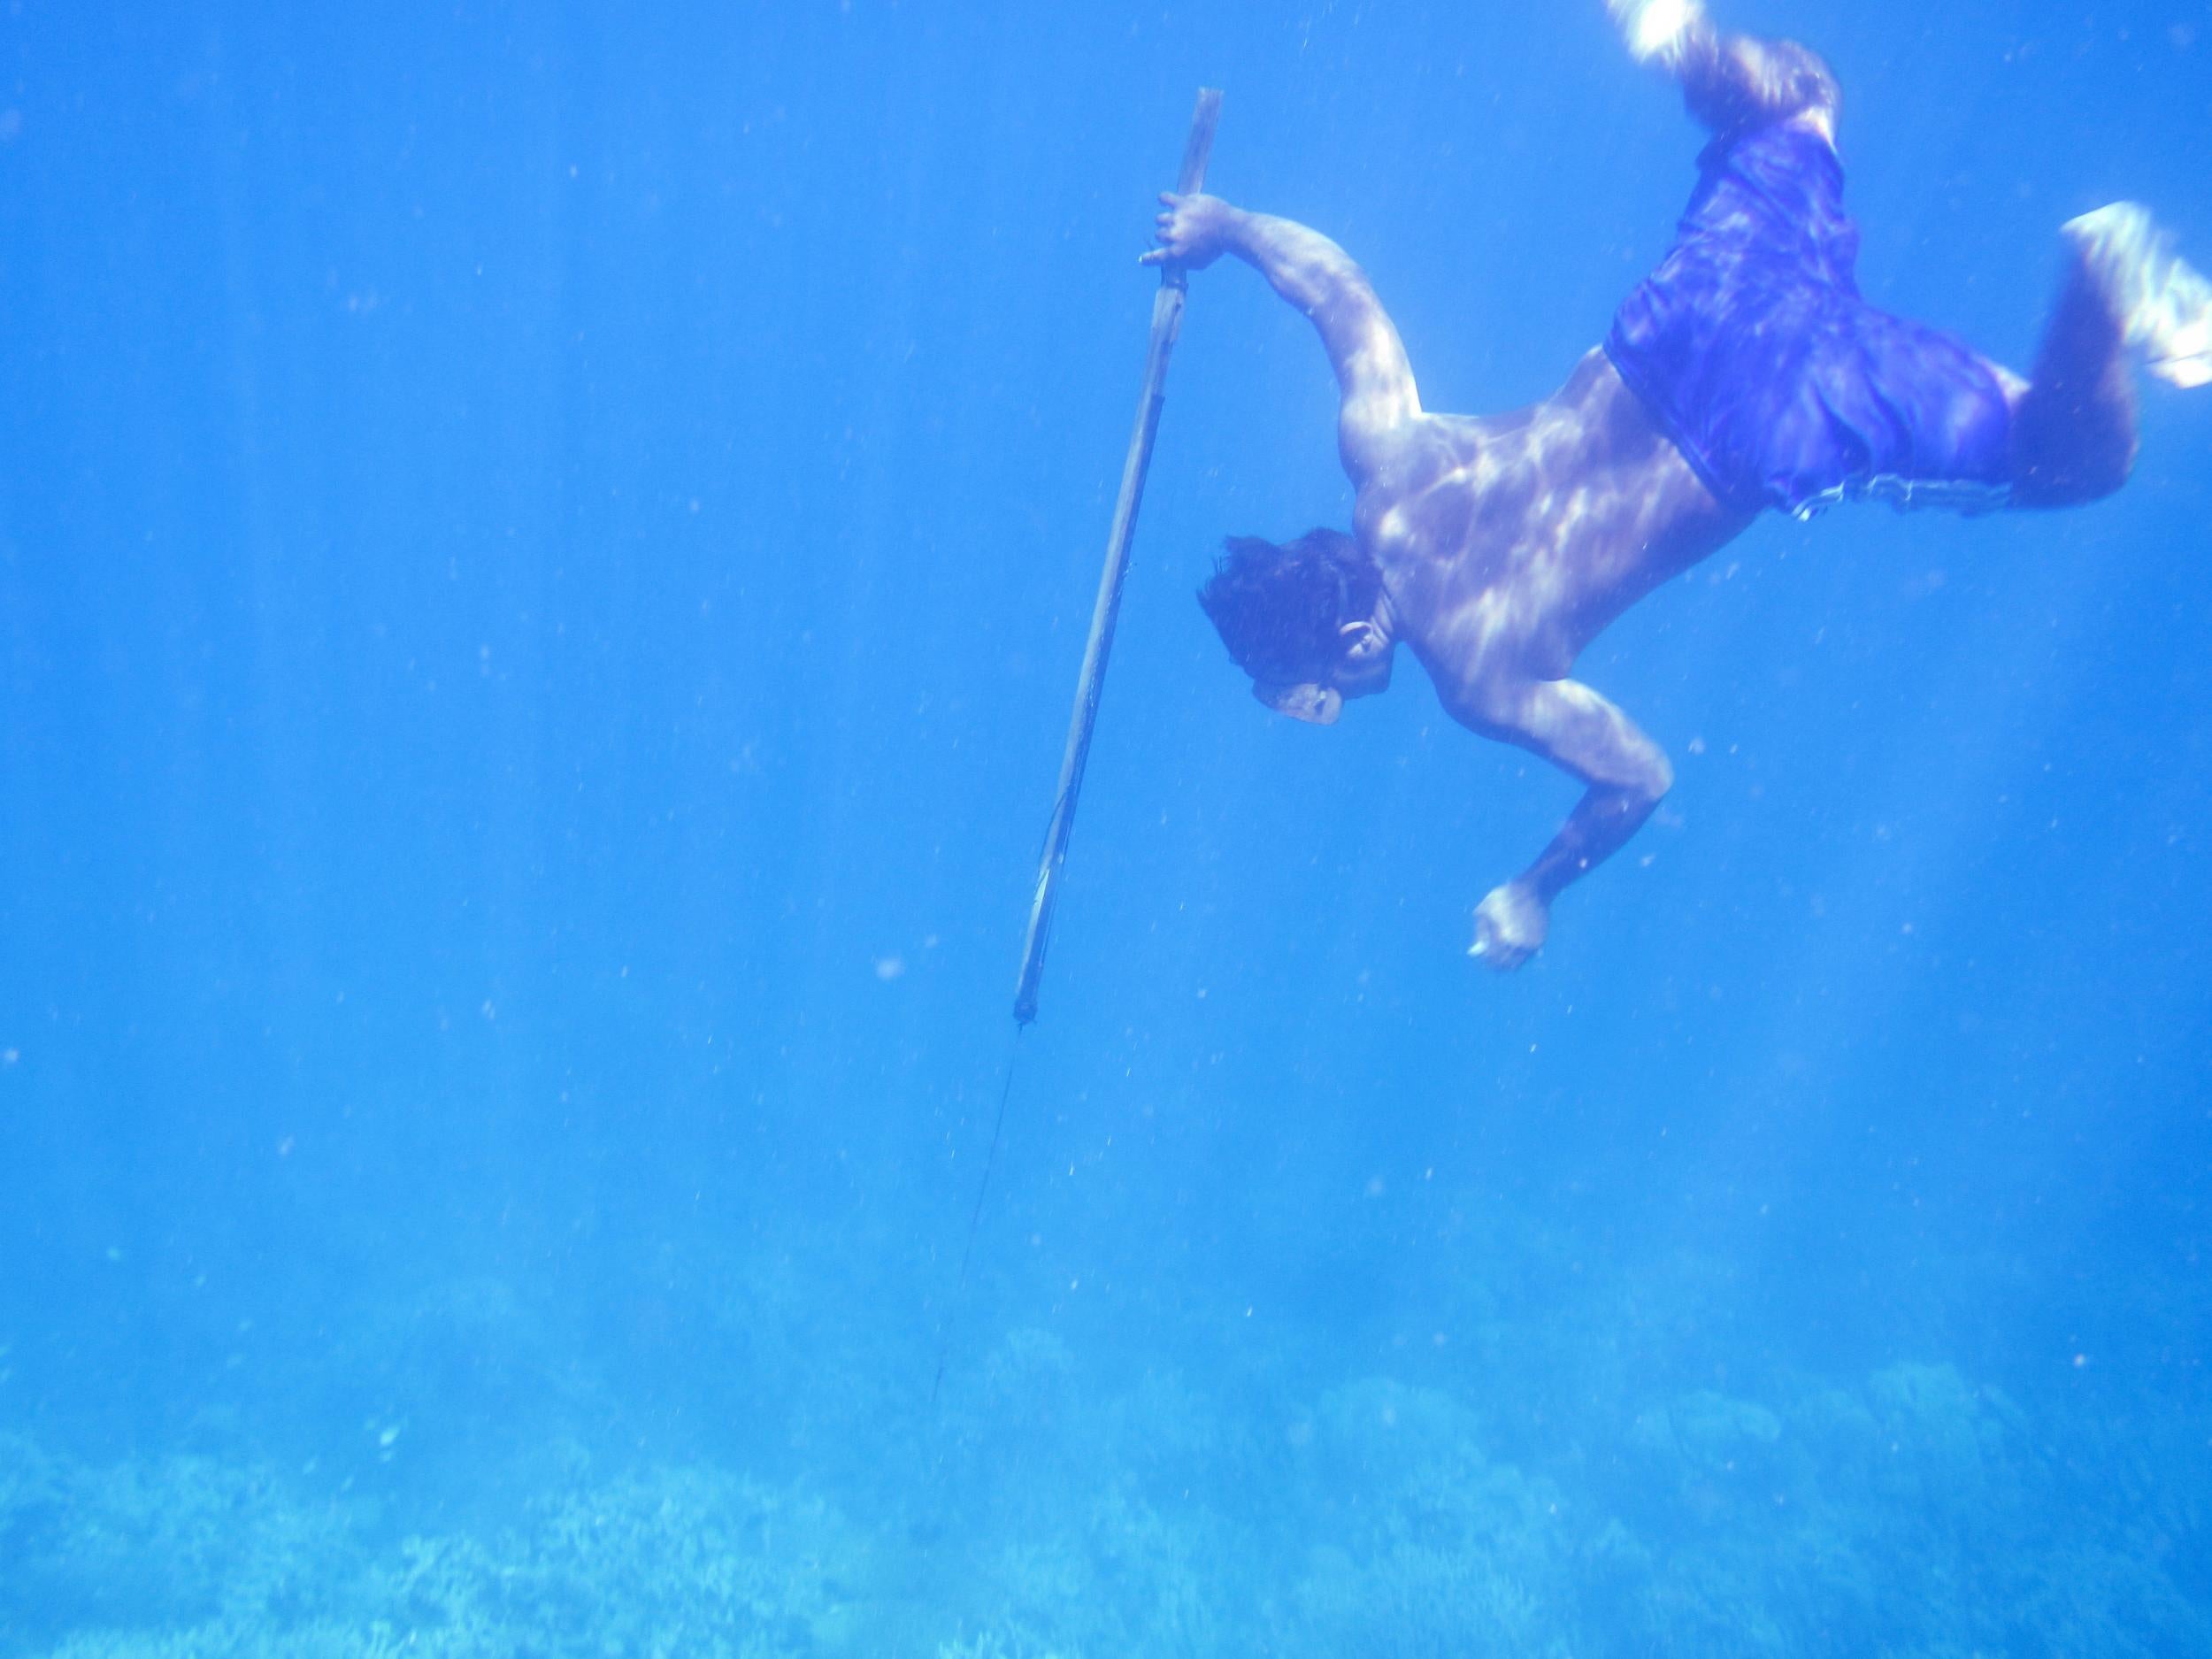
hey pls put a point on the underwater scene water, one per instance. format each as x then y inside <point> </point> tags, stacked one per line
<point>543,556</point>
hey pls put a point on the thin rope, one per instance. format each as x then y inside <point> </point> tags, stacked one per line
<point>975,1217</point>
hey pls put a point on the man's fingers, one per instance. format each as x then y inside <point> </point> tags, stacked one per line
<point>1165,226</point>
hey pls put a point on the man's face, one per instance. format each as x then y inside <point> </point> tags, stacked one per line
<point>1361,670</point>
<point>1315,704</point>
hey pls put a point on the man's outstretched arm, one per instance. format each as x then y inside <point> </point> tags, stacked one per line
<point>1323,282</point>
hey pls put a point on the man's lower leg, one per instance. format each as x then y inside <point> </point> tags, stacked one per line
<point>2073,429</point>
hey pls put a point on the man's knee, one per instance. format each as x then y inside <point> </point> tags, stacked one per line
<point>2070,479</point>
<point>2071,447</point>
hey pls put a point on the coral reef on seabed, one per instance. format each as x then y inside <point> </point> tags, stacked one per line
<point>187,1559</point>
<point>1412,1541</point>
<point>1915,1515</point>
<point>1081,1538</point>
<point>1072,1517</point>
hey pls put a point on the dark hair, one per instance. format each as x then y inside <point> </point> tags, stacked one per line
<point>1281,609</point>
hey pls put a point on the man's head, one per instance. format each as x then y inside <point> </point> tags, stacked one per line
<point>1301,618</point>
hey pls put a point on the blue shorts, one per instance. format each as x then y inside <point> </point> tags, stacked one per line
<point>1779,384</point>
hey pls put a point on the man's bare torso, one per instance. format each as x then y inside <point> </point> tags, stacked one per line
<point>1507,542</point>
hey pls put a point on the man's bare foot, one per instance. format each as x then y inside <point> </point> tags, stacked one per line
<point>1655,29</point>
<point>2164,306</point>
<point>1509,926</point>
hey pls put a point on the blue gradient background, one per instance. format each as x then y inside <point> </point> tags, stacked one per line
<point>543,552</point>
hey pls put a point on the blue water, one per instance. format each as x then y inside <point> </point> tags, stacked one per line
<point>543,554</point>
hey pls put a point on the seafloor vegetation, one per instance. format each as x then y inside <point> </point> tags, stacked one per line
<point>1042,1509</point>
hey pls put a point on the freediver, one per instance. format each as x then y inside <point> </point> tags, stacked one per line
<point>1746,374</point>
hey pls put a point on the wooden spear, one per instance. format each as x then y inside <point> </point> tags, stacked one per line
<point>1167,322</point>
